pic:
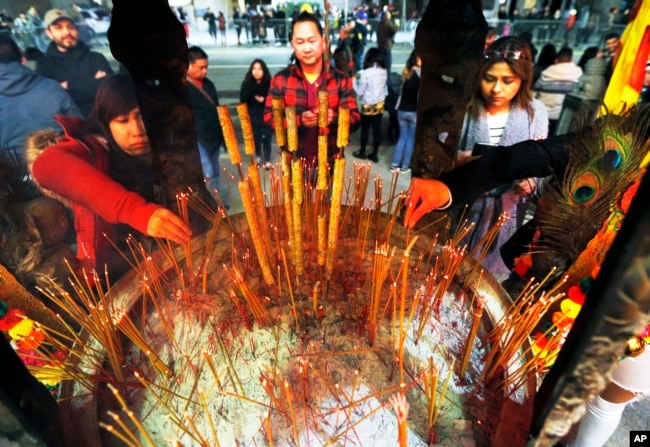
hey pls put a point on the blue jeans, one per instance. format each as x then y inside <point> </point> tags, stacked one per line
<point>210,166</point>
<point>406,142</point>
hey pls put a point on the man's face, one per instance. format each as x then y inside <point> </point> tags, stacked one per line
<point>611,45</point>
<point>64,34</point>
<point>198,69</point>
<point>308,44</point>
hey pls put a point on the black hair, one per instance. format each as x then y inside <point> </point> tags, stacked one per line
<point>9,50</point>
<point>307,17</point>
<point>116,96</point>
<point>610,36</point>
<point>195,53</point>
<point>249,74</point>
<point>547,55</point>
<point>588,54</point>
<point>374,56</point>
<point>565,54</point>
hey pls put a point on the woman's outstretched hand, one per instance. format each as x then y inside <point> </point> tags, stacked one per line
<point>163,223</point>
<point>424,196</point>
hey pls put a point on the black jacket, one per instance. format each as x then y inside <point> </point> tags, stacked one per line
<point>206,119</point>
<point>78,67</point>
<point>247,93</point>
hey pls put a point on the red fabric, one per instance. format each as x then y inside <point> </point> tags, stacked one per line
<point>292,85</point>
<point>77,169</point>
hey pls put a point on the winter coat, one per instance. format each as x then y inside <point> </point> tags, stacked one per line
<point>386,30</point>
<point>592,84</point>
<point>77,168</point>
<point>23,109</point>
<point>78,67</point>
<point>249,89</point>
<point>206,119</point>
<point>554,83</point>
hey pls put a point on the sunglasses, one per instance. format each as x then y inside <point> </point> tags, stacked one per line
<point>509,54</point>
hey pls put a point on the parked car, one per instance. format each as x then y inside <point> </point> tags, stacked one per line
<point>97,19</point>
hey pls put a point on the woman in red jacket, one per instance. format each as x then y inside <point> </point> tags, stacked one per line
<point>104,168</point>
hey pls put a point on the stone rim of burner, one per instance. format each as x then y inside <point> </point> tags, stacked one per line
<point>81,407</point>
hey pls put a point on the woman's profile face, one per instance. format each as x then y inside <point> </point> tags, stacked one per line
<point>499,85</point>
<point>256,71</point>
<point>129,133</point>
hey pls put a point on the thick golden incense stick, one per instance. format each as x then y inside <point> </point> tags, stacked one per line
<point>322,238</point>
<point>278,122</point>
<point>253,226</point>
<point>343,131</point>
<point>292,128</point>
<point>229,135</point>
<point>246,128</point>
<point>335,214</point>
<point>288,200</point>
<point>260,208</point>
<point>323,107</point>
<point>297,185</point>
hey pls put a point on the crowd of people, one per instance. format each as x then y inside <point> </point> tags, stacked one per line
<point>101,165</point>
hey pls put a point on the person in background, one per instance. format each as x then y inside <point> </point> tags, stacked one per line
<point>555,82</point>
<point>587,55</point>
<point>103,166</point>
<point>370,86</point>
<point>70,62</point>
<point>394,84</point>
<point>23,109</point>
<point>359,36</point>
<point>239,23</point>
<point>204,100</point>
<point>611,43</point>
<point>407,114</point>
<point>386,31</point>
<point>212,23</point>
<point>501,111</point>
<point>546,58</point>
<point>342,57</point>
<point>253,92</point>
<point>298,86</point>
<point>222,27</point>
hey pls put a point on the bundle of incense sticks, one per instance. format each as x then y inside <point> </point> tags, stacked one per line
<point>254,178</point>
<point>259,230</point>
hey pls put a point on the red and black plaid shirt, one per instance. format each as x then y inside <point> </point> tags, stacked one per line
<point>292,85</point>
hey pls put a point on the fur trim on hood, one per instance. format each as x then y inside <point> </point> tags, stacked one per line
<point>35,144</point>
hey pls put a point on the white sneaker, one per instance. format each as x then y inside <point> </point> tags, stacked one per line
<point>394,168</point>
<point>405,171</point>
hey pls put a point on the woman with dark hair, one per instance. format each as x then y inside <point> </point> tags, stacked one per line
<point>104,168</point>
<point>501,111</point>
<point>253,92</point>
<point>545,59</point>
<point>407,106</point>
<point>371,88</point>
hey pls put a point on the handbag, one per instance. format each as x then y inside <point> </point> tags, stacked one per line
<point>373,109</point>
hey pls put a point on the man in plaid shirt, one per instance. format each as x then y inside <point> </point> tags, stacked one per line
<point>298,85</point>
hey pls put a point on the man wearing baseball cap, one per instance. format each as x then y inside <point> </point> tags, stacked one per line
<point>359,36</point>
<point>70,62</point>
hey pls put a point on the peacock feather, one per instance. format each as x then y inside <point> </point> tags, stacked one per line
<point>584,210</point>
